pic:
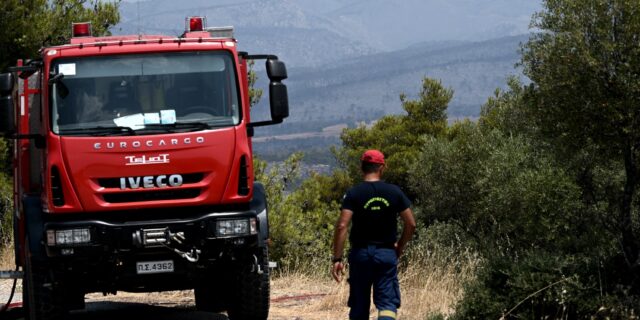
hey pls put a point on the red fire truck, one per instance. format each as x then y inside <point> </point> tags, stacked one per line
<point>133,170</point>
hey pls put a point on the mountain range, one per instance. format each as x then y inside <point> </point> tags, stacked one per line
<point>312,32</point>
<point>349,60</point>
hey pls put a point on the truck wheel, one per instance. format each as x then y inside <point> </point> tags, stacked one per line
<point>251,291</point>
<point>39,298</point>
<point>210,296</point>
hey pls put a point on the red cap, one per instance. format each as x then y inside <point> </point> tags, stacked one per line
<point>373,156</point>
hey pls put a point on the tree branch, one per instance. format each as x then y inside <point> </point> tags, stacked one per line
<point>504,316</point>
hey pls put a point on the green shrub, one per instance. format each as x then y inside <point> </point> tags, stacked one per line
<point>6,210</point>
<point>301,218</point>
<point>436,316</point>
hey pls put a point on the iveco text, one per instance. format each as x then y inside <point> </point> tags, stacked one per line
<point>161,181</point>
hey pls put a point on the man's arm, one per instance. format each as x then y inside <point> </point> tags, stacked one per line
<point>408,227</point>
<point>339,237</point>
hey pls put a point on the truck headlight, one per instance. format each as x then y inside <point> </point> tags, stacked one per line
<point>235,227</point>
<point>68,237</point>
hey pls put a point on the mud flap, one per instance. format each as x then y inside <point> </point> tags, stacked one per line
<point>34,225</point>
<point>259,205</point>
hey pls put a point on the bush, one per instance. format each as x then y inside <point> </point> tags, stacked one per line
<point>524,213</point>
<point>6,211</point>
<point>301,218</point>
<point>435,316</point>
<point>544,285</point>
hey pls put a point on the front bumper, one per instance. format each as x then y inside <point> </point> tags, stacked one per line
<point>195,246</point>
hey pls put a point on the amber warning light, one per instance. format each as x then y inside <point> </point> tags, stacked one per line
<point>82,29</point>
<point>195,24</point>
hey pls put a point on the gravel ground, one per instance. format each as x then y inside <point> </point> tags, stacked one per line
<point>289,302</point>
<point>5,290</point>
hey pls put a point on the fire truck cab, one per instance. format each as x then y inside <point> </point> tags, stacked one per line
<point>133,170</point>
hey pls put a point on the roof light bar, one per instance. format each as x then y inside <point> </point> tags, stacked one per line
<point>81,29</point>
<point>194,24</point>
<point>220,32</point>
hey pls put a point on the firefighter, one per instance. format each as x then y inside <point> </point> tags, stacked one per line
<point>373,206</point>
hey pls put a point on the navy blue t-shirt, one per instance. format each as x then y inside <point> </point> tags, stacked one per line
<point>375,207</point>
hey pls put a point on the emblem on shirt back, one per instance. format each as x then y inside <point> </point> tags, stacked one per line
<point>376,204</point>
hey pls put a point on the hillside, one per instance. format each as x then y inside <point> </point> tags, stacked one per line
<point>367,88</point>
<point>312,33</point>
<point>349,60</point>
<point>363,89</point>
<point>280,27</point>
<point>392,24</point>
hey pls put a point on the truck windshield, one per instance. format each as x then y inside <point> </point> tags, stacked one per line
<point>144,92</point>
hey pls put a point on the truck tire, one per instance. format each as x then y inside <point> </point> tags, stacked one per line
<point>38,294</point>
<point>211,296</point>
<point>251,290</point>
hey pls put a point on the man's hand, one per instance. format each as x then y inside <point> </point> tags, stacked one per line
<point>399,250</point>
<point>407,230</point>
<point>339,237</point>
<point>337,271</point>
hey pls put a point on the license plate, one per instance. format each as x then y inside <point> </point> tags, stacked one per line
<point>154,267</point>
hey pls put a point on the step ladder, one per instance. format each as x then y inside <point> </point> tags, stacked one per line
<point>10,274</point>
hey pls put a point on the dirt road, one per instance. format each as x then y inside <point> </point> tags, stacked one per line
<point>292,298</point>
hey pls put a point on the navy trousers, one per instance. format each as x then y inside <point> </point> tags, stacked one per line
<point>377,268</point>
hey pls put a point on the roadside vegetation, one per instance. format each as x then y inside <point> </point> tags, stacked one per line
<point>25,26</point>
<point>542,190</point>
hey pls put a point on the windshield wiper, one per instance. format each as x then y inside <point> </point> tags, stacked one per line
<point>99,131</point>
<point>178,126</point>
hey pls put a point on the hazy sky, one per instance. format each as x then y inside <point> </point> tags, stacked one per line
<point>381,24</point>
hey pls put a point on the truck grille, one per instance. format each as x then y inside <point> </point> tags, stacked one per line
<point>56,188</point>
<point>243,183</point>
<point>115,182</point>
<point>155,195</point>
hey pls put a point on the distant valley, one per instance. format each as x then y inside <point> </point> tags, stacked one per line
<point>368,87</point>
<point>349,60</point>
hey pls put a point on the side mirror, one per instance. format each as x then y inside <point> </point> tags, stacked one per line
<point>278,97</point>
<point>279,101</point>
<point>7,113</point>
<point>276,70</point>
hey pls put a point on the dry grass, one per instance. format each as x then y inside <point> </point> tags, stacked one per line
<point>429,285</point>
<point>166,298</point>
<point>7,261</point>
<point>310,297</point>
